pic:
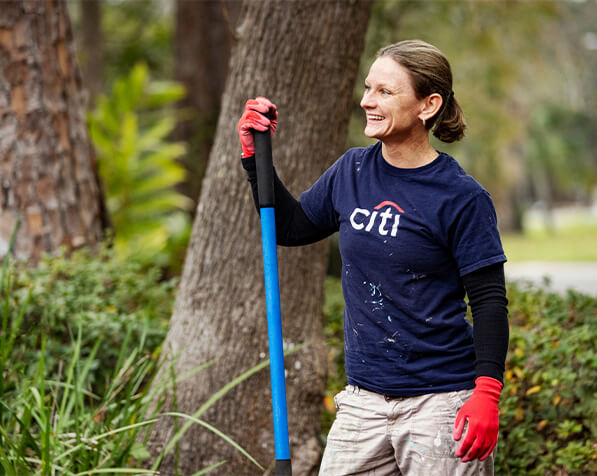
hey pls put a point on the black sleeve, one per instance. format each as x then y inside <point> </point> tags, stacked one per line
<point>486,291</point>
<point>293,227</point>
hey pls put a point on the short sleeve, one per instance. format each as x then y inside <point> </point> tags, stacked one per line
<point>318,203</point>
<point>474,237</point>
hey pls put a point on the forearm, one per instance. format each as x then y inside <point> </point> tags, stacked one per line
<point>293,227</point>
<point>486,291</point>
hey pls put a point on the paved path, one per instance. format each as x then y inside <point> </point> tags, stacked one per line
<point>580,276</point>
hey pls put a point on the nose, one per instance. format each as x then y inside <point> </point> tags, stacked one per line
<point>367,100</point>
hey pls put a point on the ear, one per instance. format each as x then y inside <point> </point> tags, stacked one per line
<point>430,106</point>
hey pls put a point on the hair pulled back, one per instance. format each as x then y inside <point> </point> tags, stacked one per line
<point>430,73</point>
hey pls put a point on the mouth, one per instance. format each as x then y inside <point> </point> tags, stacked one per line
<point>374,118</point>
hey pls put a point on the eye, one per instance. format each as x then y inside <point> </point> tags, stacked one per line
<point>367,88</point>
<point>385,91</point>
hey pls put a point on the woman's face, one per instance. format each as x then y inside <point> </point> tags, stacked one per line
<point>389,102</point>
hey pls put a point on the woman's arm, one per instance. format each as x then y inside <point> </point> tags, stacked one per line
<point>486,291</point>
<point>487,296</point>
<point>293,227</point>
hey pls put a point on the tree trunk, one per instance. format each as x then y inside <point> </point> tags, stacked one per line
<point>46,170</point>
<point>203,41</point>
<point>92,45</point>
<point>304,56</point>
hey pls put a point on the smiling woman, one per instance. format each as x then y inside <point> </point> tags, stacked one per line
<point>415,233</point>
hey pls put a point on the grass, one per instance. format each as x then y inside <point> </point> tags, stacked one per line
<point>574,243</point>
<point>58,414</point>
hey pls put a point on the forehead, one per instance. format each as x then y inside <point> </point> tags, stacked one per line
<point>387,71</point>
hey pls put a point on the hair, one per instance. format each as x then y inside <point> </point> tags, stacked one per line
<point>430,73</point>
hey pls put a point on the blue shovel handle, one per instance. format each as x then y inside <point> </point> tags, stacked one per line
<point>265,185</point>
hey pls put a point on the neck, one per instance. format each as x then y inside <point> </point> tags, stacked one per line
<point>410,153</point>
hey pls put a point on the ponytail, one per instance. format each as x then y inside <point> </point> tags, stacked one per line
<point>448,125</point>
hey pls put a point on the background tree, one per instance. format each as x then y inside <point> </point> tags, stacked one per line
<point>92,47</point>
<point>296,53</point>
<point>202,43</point>
<point>46,170</point>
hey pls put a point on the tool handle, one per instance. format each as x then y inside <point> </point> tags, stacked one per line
<point>265,168</point>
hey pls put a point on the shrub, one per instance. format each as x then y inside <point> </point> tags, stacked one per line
<point>79,388</point>
<point>108,298</point>
<point>548,412</point>
<point>548,416</point>
<point>130,131</point>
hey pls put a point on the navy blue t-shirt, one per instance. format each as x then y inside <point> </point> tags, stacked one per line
<point>406,236</point>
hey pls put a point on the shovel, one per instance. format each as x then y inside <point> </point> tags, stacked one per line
<point>265,184</point>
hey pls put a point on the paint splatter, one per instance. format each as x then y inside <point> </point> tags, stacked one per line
<point>374,290</point>
<point>438,439</point>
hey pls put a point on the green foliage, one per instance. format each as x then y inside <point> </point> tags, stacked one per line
<point>548,412</point>
<point>547,409</point>
<point>118,302</point>
<point>138,166</point>
<point>133,32</point>
<point>72,404</point>
<point>80,383</point>
<point>566,157</point>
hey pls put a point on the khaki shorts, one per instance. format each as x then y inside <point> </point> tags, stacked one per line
<point>410,436</point>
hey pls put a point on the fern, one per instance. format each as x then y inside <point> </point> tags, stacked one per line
<point>130,130</point>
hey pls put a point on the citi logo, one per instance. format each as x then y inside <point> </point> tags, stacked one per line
<point>363,218</point>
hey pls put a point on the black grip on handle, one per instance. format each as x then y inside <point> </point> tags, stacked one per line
<point>283,467</point>
<point>265,168</point>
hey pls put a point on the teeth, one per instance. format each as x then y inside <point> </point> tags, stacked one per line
<point>374,117</point>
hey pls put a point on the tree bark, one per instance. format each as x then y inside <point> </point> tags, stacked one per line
<point>46,171</point>
<point>304,56</point>
<point>92,45</point>
<point>203,41</point>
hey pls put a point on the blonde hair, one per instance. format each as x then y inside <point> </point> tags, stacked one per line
<point>430,72</point>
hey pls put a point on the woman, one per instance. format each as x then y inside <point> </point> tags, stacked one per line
<point>415,233</point>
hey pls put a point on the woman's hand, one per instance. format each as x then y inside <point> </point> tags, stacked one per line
<point>259,114</point>
<point>481,411</point>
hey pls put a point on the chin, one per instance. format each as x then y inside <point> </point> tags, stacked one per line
<point>372,134</point>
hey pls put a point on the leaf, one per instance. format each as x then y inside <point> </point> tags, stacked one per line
<point>225,437</point>
<point>164,92</point>
<point>210,468</point>
<point>532,390</point>
<point>139,451</point>
<point>542,424</point>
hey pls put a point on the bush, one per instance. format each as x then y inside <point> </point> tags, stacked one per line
<point>548,416</point>
<point>109,298</point>
<point>131,130</point>
<point>80,383</point>
<point>548,412</point>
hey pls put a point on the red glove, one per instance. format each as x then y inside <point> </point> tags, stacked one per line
<point>260,113</point>
<point>481,411</point>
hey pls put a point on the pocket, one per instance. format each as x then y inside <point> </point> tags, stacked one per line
<point>457,399</point>
<point>432,424</point>
<point>338,399</point>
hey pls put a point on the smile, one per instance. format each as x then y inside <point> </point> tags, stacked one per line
<point>374,117</point>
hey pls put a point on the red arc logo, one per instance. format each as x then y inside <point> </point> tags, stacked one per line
<point>392,204</point>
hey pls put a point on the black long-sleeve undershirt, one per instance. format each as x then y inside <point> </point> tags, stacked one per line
<point>485,287</point>
<point>293,227</point>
